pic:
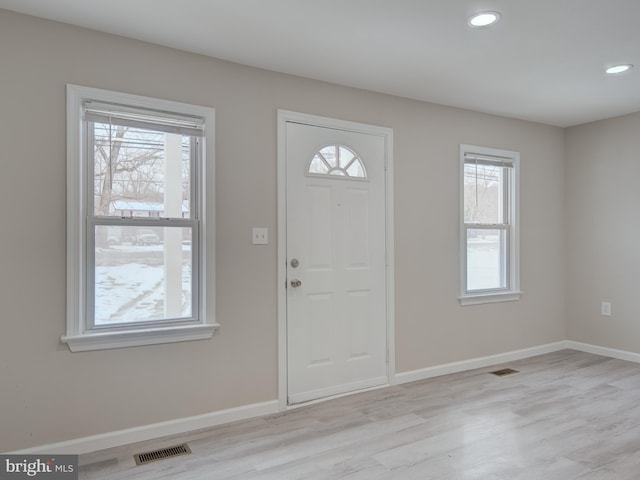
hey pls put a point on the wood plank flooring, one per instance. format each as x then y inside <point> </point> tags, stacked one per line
<point>566,415</point>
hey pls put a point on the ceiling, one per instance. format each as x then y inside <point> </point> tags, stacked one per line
<point>543,61</point>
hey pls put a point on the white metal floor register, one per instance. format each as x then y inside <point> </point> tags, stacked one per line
<point>48,467</point>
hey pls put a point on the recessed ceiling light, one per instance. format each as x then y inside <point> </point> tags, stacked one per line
<point>618,69</point>
<point>484,19</point>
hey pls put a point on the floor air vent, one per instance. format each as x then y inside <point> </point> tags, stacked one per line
<point>148,457</point>
<point>504,371</point>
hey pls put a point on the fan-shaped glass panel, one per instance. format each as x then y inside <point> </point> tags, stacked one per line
<point>337,161</point>
<point>345,156</point>
<point>318,166</point>
<point>356,170</point>
<point>330,155</point>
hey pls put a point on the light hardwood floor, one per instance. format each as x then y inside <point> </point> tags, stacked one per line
<point>566,415</point>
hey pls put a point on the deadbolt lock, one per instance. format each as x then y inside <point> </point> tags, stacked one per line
<point>295,263</point>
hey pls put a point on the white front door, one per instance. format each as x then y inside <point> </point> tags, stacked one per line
<point>335,234</point>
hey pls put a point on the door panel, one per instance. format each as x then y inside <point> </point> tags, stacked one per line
<point>320,223</point>
<point>357,228</point>
<point>336,317</point>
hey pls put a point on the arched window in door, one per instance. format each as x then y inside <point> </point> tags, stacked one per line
<point>337,161</point>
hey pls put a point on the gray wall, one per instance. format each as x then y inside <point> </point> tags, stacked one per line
<point>49,394</point>
<point>603,232</point>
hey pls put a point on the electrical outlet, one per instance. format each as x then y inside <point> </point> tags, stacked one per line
<point>260,236</point>
<point>605,309</point>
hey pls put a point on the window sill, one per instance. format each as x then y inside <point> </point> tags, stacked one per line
<point>489,298</point>
<point>133,338</point>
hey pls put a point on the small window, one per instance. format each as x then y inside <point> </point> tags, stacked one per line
<point>337,161</point>
<point>489,225</point>
<point>136,225</point>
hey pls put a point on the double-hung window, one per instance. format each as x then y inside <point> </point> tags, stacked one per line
<point>489,225</point>
<point>136,233</point>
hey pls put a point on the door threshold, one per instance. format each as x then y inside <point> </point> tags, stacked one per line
<point>306,403</point>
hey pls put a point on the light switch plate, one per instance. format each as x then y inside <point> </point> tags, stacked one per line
<point>260,236</point>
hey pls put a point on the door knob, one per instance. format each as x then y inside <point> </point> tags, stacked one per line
<point>296,283</point>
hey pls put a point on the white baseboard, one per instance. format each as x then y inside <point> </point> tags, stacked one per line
<point>481,362</point>
<point>118,438</point>
<point>605,351</point>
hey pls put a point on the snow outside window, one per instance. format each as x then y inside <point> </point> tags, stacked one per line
<point>136,230</point>
<point>489,225</point>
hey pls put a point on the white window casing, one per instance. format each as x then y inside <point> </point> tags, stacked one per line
<point>490,230</point>
<point>173,234</point>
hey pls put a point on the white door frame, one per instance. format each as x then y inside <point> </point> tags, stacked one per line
<point>285,116</point>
